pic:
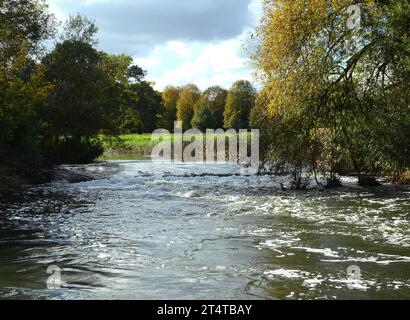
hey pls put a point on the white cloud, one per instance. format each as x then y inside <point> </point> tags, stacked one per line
<point>178,42</point>
<point>205,64</point>
<point>143,24</point>
<point>149,62</point>
<point>179,48</point>
<point>257,9</point>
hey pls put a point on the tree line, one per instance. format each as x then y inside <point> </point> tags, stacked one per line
<point>334,99</point>
<point>215,108</point>
<point>56,102</point>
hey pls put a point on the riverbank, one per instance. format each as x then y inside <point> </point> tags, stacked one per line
<point>124,147</point>
<point>12,182</point>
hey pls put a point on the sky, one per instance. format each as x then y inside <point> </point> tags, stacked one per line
<point>176,41</point>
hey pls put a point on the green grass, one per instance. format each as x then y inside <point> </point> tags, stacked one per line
<point>135,140</point>
<point>127,147</point>
<point>130,146</point>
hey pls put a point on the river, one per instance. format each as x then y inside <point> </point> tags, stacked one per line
<point>157,231</point>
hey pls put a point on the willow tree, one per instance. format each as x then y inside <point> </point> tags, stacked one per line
<point>335,75</point>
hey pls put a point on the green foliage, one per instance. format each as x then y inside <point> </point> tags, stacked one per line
<point>170,98</point>
<point>188,97</point>
<point>78,28</point>
<point>213,99</point>
<point>117,67</point>
<point>23,25</point>
<point>135,103</point>
<point>28,21</point>
<point>54,111</point>
<point>18,131</point>
<point>78,105</point>
<point>92,94</point>
<point>148,103</point>
<point>74,150</point>
<point>130,121</point>
<point>204,119</point>
<point>239,103</point>
<point>136,74</point>
<point>335,96</point>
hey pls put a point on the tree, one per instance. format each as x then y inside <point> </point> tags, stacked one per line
<point>239,103</point>
<point>79,28</point>
<point>189,96</point>
<point>204,119</point>
<point>148,103</point>
<point>19,97</point>
<point>334,91</point>
<point>170,98</point>
<point>80,106</point>
<point>123,101</point>
<point>29,22</point>
<point>23,27</point>
<point>136,74</point>
<point>118,67</point>
<point>213,99</point>
<point>130,121</point>
<point>136,102</point>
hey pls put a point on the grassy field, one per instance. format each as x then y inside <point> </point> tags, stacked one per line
<point>127,147</point>
<point>136,141</point>
<point>130,147</point>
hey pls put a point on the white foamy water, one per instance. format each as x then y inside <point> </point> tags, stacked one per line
<point>192,231</point>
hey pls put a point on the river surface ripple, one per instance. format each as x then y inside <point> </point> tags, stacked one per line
<point>153,231</point>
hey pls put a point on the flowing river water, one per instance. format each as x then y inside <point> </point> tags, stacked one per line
<point>156,231</point>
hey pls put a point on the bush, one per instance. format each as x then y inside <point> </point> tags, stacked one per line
<point>73,150</point>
